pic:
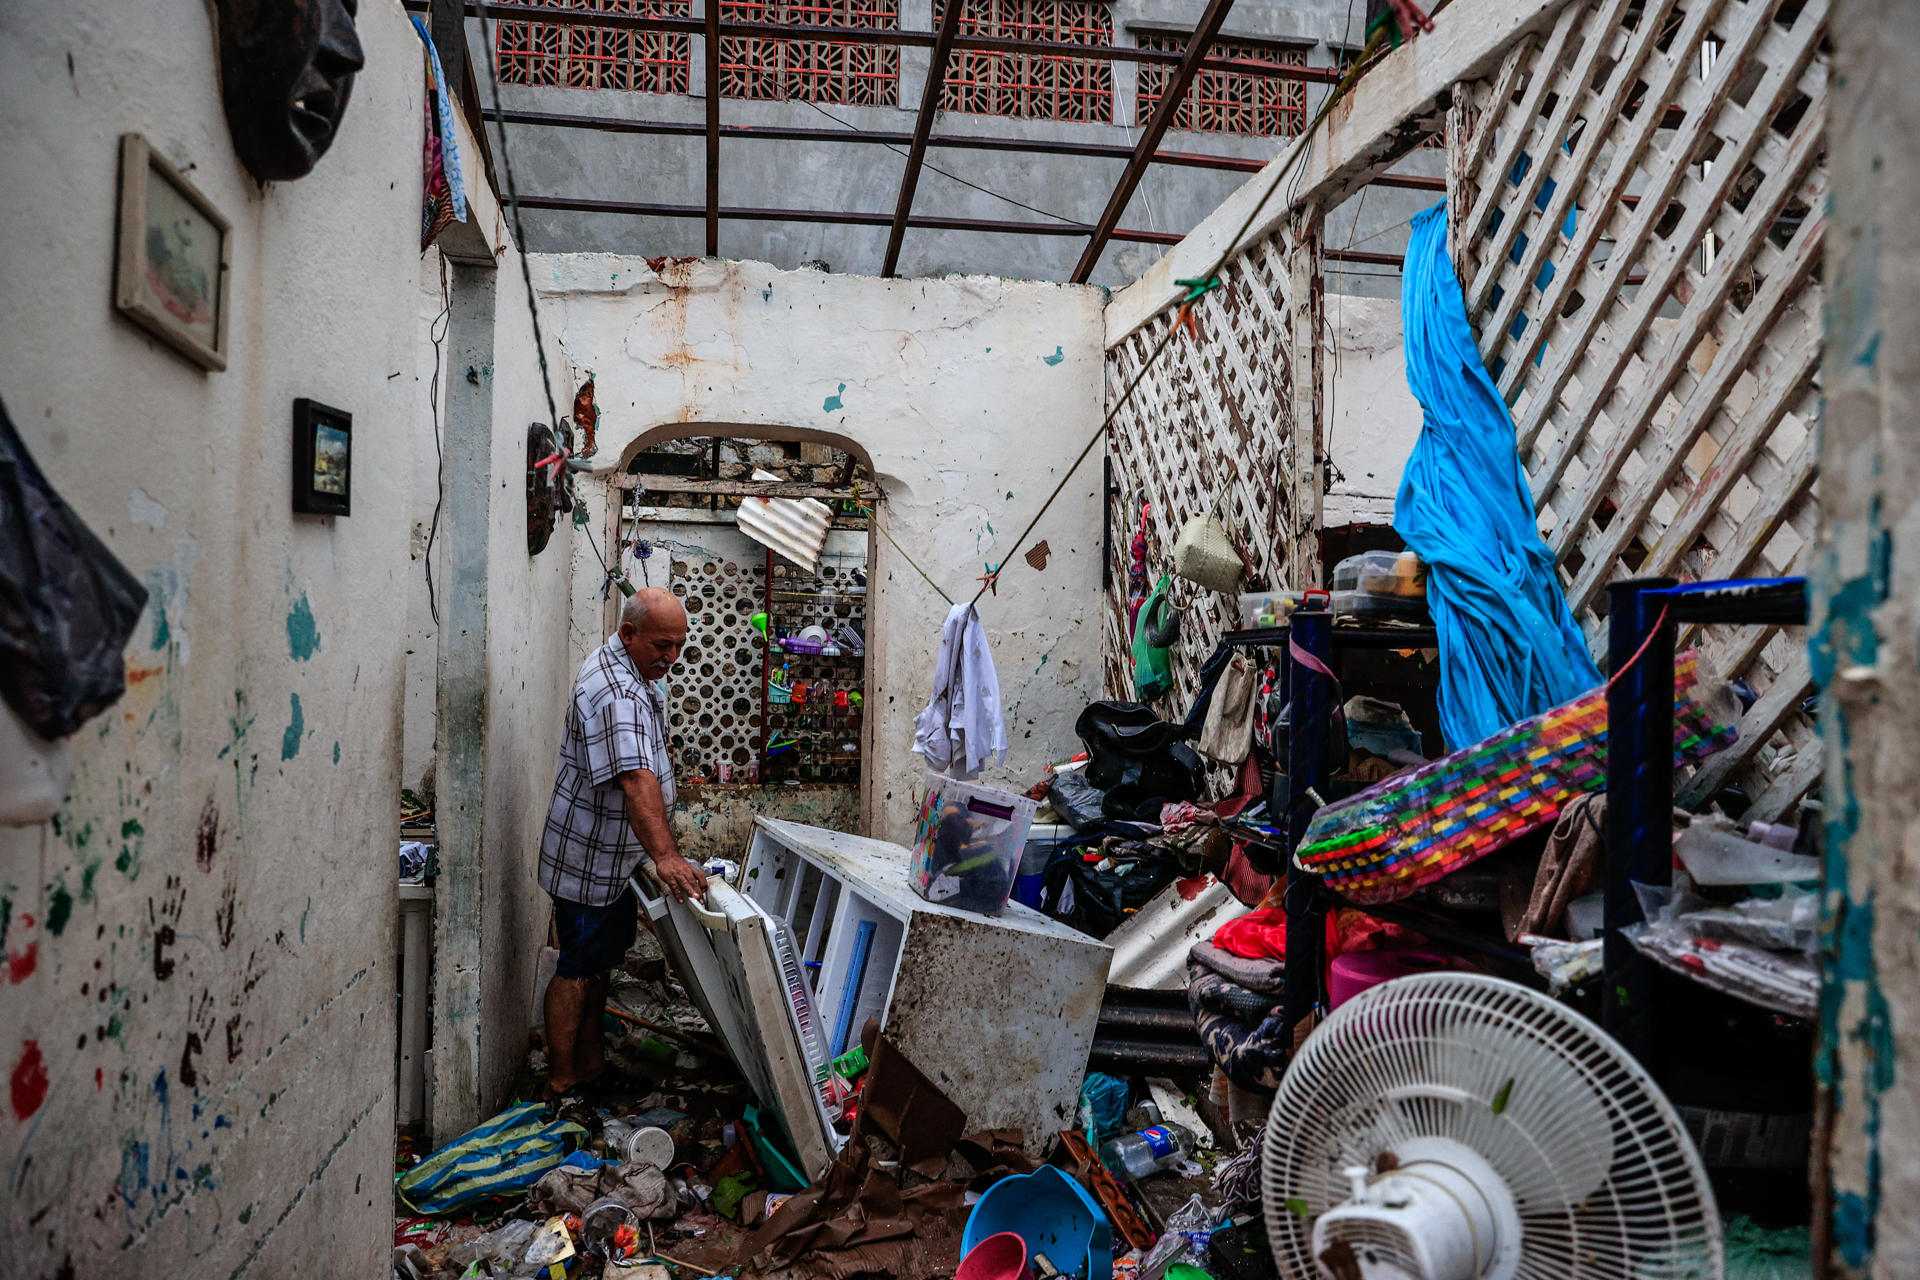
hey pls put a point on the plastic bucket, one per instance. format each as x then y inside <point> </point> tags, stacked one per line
<point>1043,840</point>
<point>1354,972</point>
<point>1001,1257</point>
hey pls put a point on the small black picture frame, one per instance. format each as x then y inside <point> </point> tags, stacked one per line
<point>322,459</point>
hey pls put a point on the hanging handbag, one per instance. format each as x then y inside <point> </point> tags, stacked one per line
<point>1203,553</point>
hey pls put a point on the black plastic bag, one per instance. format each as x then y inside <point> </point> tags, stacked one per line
<point>67,605</point>
<point>1137,760</point>
<point>1075,799</point>
<point>1096,901</point>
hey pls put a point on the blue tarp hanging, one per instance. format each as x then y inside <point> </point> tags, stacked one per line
<point>1509,648</point>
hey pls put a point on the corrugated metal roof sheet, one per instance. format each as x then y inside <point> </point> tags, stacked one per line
<point>792,527</point>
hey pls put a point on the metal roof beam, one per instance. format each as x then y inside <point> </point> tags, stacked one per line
<point>858,218</point>
<point>1157,124</point>
<point>712,38</point>
<point>922,127</point>
<point>884,35</point>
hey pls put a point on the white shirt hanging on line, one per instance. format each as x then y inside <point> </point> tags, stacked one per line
<point>960,730</point>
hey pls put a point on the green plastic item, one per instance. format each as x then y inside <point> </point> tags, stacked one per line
<point>1186,1271</point>
<point>759,621</point>
<point>851,1064</point>
<point>783,1171</point>
<point>728,1192</point>
<point>1152,667</point>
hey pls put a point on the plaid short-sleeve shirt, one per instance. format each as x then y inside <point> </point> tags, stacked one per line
<point>617,723</point>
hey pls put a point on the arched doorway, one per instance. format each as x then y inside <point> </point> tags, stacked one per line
<point>768,702</point>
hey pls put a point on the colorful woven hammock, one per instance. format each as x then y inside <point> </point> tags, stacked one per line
<point>1408,831</point>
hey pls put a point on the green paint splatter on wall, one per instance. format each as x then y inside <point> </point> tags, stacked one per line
<point>132,840</point>
<point>303,635</point>
<point>59,907</point>
<point>833,403</point>
<point>87,873</point>
<point>162,632</point>
<point>117,1030</point>
<point>1059,354</point>
<point>6,918</point>
<point>290,740</point>
<point>237,725</point>
<point>336,752</point>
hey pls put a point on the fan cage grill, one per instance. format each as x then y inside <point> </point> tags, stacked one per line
<point>1605,1180</point>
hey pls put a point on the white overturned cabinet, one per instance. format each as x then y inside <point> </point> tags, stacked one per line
<point>823,932</point>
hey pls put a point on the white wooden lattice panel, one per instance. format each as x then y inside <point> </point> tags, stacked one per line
<point>1638,203</point>
<point>1225,425</point>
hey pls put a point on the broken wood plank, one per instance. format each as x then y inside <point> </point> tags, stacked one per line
<point>742,488</point>
<point>1790,788</point>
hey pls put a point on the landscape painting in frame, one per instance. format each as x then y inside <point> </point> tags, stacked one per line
<point>322,459</point>
<point>171,272</point>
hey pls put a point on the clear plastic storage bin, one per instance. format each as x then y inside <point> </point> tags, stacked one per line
<point>967,844</point>
<point>1269,608</point>
<point>1365,606</point>
<point>1399,574</point>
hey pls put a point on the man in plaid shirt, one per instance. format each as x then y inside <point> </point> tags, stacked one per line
<point>612,792</point>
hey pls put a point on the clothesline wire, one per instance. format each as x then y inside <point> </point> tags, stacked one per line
<point>1294,161</point>
<point>613,574</point>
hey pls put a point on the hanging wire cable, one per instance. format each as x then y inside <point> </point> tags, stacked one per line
<point>613,573</point>
<point>440,322</point>
<point>1292,167</point>
<point>986,191</point>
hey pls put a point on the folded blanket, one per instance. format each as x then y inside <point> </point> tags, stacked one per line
<point>1217,995</point>
<point>1252,1054</point>
<point>1267,977</point>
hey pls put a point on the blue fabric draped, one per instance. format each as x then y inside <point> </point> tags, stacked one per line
<point>1509,648</point>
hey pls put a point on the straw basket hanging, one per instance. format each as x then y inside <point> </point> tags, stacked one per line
<point>1204,554</point>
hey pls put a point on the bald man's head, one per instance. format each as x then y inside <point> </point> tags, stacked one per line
<point>653,627</point>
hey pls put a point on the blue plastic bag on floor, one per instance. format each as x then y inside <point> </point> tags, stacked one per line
<point>501,1157</point>
<point>1509,647</point>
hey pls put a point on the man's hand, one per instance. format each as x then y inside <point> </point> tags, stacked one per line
<point>686,882</point>
<point>647,812</point>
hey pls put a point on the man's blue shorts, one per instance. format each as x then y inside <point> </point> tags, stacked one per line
<point>593,940</point>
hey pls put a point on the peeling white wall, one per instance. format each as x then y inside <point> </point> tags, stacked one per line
<point>199,952</point>
<point>1372,419</point>
<point>529,680</point>
<point>970,396</point>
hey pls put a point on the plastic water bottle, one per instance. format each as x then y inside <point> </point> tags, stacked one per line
<point>1156,1147</point>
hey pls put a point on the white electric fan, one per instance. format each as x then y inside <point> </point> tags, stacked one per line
<point>1450,1126</point>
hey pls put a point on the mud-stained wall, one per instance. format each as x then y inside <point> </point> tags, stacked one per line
<point>717,821</point>
<point>1866,574</point>
<point>970,396</point>
<point>197,1000</point>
